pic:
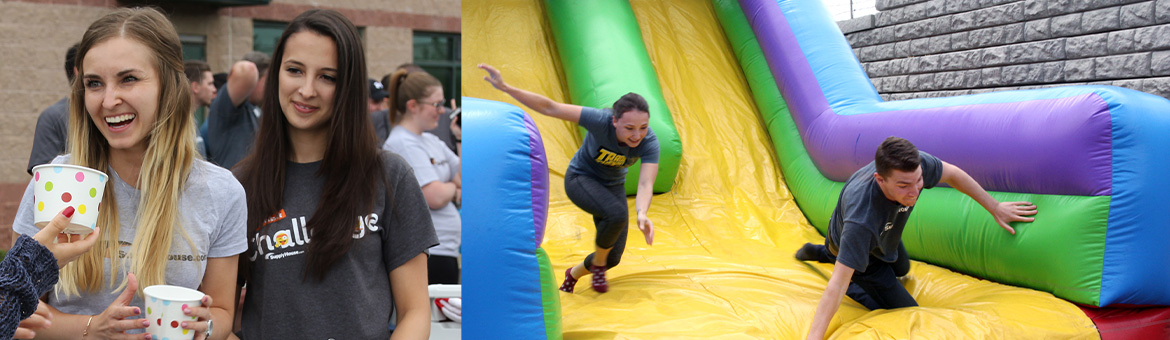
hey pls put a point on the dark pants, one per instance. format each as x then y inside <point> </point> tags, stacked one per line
<point>610,213</point>
<point>442,270</point>
<point>877,286</point>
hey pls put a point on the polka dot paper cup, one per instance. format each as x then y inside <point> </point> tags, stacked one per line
<point>56,186</point>
<point>164,310</point>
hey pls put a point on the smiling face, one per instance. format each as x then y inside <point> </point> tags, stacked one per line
<point>632,127</point>
<point>308,78</point>
<point>900,186</point>
<point>121,92</point>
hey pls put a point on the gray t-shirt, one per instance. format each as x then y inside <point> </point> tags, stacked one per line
<point>381,120</point>
<point>431,161</point>
<point>354,300</point>
<point>382,127</point>
<point>230,130</point>
<point>213,213</point>
<point>866,223</point>
<point>50,137</point>
<point>601,155</point>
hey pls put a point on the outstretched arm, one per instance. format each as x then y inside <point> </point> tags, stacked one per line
<point>533,101</point>
<point>1003,212</point>
<point>830,300</point>
<point>646,179</point>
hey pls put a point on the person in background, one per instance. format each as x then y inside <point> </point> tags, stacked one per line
<point>378,96</point>
<point>202,92</point>
<point>416,100</point>
<point>52,125</point>
<point>235,113</point>
<point>443,128</point>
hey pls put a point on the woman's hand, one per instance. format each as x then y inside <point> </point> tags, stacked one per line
<point>647,228</point>
<point>203,313</point>
<point>68,246</point>
<point>39,320</point>
<point>494,77</point>
<point>112,323</point>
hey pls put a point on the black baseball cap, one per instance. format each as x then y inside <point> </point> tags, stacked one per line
<point>378,91</point>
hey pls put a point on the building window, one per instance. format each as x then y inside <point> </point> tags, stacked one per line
<point>194,47</point>
<point>265,35</point>
<point>439,54</point>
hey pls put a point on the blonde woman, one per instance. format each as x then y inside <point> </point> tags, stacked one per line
<point>416,102</point>
<point>167,216</point>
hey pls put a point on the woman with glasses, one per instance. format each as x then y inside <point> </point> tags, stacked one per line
<point>416,101</point>
<point>596,178</point>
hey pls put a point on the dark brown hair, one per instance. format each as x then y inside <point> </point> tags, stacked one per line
<point>896,154</point>
<point>629,102</point>
<point>194,70</point>
<point>351,160</point>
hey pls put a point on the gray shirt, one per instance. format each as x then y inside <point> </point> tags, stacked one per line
<point>431,161</point>
<point>601,155</point>
<point>354,300</point>
<point>212,213</point>
<point>230,130</point>
<point>866,223</point>
<point>51,134</point>
<point>382,127</point>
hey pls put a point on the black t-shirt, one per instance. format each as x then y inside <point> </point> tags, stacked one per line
<point>866,223</point>
<point>354,301</point>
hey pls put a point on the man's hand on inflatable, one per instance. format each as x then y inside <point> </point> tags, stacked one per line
<point>647,228</point>
<point>1007,212</point>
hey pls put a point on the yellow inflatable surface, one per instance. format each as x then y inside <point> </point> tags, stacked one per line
<point>722,264</point>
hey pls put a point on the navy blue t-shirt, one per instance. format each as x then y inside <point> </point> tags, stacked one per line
<point>601,155</point>
<point>866,223</point>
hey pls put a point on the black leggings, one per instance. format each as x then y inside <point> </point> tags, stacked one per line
<point>610,213</point>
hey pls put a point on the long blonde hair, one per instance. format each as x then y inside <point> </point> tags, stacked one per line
<point>169,156</point>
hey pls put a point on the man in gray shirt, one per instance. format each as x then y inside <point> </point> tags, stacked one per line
<point>53,124</point>
<point>234,115</point>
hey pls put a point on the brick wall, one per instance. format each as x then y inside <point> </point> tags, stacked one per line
<point>935,48</point>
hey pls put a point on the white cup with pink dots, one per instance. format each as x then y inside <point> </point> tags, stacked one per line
<point>56,186</point>
<point>164,310</point>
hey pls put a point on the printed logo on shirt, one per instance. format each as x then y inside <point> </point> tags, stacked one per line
<point>277,217</point>
<point>283,241</point>
<point>123,246</point>
<point>609,158</point>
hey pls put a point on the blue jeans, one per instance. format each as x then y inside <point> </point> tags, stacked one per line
<point>877,286</point>
<point>610,213</point>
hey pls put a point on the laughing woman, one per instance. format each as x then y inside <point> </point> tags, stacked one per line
<point>316,174</point>
<point>167,216</point>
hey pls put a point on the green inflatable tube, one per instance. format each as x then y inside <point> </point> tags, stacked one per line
<point>1061,252</point>
<point>549,294</point>
<point>603,57</point>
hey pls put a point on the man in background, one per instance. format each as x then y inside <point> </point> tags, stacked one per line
<point>202,93</point>
<point>234,116</point>
<point>53,124</point>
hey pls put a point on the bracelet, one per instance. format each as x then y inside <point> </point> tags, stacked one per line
<point>86,333</point>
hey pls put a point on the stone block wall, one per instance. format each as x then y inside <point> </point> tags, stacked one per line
<point>938,48</point>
